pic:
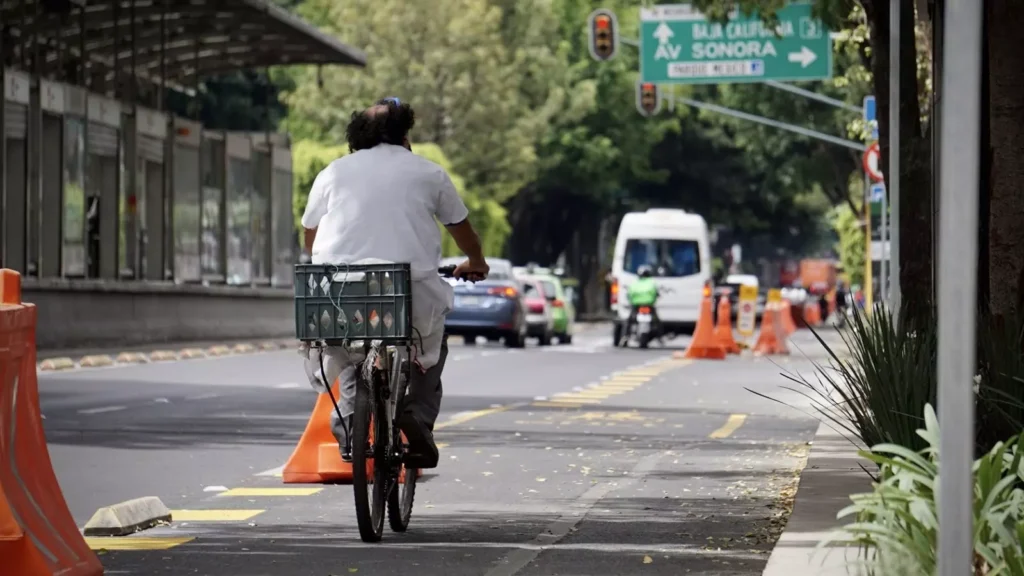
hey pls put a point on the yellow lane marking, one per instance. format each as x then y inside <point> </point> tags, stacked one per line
<point>545,404</point>
<point>442,444</point>
<point>214,515</point>
<point>136,543</point>
<point>574,400</point>
<point>595,394</point>
<point>270,492</point>
<point>731,425</point>
<point>619,385</point>
<point>472,416</point>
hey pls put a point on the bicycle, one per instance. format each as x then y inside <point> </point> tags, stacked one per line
<point>379,478</point>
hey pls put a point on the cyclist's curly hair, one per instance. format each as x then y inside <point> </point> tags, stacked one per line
<point>386,122</point>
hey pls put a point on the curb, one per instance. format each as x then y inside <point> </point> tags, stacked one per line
<point>831,474</point>
<point>128,517</point>
<point>130,358</point>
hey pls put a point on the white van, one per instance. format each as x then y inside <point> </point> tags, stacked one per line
<point>675,244</point>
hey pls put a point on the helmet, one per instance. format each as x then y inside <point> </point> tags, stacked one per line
<point>644,271</point>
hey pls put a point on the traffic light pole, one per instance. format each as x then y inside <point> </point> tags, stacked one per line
<point>807,132</point>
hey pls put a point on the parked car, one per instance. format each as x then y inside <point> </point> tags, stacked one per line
<point>493,308</point>
<point>561,300</point>
<point>539,318</point>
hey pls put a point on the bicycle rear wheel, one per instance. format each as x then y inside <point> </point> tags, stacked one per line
<point>401,496</point>
<point>370,493</point>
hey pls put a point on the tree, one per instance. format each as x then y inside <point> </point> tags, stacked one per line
<point>447,58</point>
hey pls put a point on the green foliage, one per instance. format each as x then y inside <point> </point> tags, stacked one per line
<point>851,246</point>
<point>890,377</point>
<point>897,524</point>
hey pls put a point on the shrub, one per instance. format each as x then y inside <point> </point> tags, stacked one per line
<point>896,524</point>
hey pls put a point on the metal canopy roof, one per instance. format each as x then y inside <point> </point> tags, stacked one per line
<point>177,40</point>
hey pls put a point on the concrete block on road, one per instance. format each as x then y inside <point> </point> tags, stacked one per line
<point>162,355</point>
<point>132,358</point>
<point>243,348</point>
<point>190,353</point>
<point>218,351</point>
<point>128,517</point>
<point>63,363</point>
<point>96,360</point>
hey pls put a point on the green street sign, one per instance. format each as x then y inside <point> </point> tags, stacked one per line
<point>678,45</point>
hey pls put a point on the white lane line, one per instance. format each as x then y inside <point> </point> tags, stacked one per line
<point>287,386</point>
<point>203,396</point>
<point>516,560</point>
<point>272,472</point>
<point>102,409</point>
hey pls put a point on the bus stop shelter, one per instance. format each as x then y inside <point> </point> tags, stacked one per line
<point>103,190</point>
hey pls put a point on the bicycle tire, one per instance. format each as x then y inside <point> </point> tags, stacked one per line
<point>369,509</point>
<point>403,492</point>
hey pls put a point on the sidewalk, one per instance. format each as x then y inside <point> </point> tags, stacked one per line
<point>832,473</point>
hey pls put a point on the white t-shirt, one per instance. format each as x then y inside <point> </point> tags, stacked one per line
<point>381,204</point>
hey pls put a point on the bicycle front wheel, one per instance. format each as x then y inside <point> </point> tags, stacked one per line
<point>367,462</point>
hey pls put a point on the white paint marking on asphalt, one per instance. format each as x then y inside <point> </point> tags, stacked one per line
<point>273,471</point>
<point>161,401</point>
<point>487,353</point>
<point>516,560</point>
<point>102,409</point>
<point>287,386</point>
<point>540,398</point>
<point>215,489</point>
<point>203,396</point>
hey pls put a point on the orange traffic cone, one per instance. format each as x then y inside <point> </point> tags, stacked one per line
<point>704,344</point>
<point>771,340</point>
<point>787,317</point>
<point>723,331</point>
<point>317,457</point>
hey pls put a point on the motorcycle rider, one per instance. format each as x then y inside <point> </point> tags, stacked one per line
<point>643,292</point>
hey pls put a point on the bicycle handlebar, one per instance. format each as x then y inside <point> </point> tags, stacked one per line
<point>449,272</point>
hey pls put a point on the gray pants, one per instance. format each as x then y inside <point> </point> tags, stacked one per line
<point>422,399</point>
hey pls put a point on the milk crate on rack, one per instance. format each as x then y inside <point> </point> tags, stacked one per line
<point>336,302</point>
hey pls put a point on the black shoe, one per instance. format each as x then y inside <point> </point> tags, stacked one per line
<point>422,451</point>
<point>346,453</point>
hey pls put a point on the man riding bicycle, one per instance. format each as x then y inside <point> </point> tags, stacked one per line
<point>379,203</point>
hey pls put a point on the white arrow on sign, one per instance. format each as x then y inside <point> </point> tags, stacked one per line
<point>805,56</point>
<point>662,33</point>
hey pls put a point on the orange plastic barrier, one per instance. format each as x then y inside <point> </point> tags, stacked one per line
<point>38,536</point>
<point>812,313</point>
<point>317,457</point>
<point>787,317</point>
<point>704,344</point>
<point>772,339</point>
<point>723,331</point>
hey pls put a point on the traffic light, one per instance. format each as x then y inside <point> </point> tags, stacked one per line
<point>648,102</point>
<point>604,35</point>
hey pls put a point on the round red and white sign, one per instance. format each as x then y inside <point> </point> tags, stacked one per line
<point>872,158</point>
<point>748,307</point>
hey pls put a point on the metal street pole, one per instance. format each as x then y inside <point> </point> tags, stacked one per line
<point>959,165</point>
<point>892,176</point>
<point>869,283</point>
<point>774,124</point>
<point>813,96</point>
<point>883,278</point>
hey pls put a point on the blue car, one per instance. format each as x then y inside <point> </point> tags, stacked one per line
<point>492,308</point>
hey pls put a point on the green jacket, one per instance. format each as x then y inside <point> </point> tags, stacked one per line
<point>643,292</point>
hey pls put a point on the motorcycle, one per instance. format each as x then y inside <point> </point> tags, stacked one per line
<point>642,328</point>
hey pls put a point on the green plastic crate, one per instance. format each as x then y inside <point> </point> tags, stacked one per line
<point>353,302</point>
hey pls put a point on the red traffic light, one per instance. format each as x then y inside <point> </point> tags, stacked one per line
<point>603,22</point>
<point>647,87</point>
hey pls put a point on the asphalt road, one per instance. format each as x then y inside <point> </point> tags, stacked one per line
<point>644,465</point>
